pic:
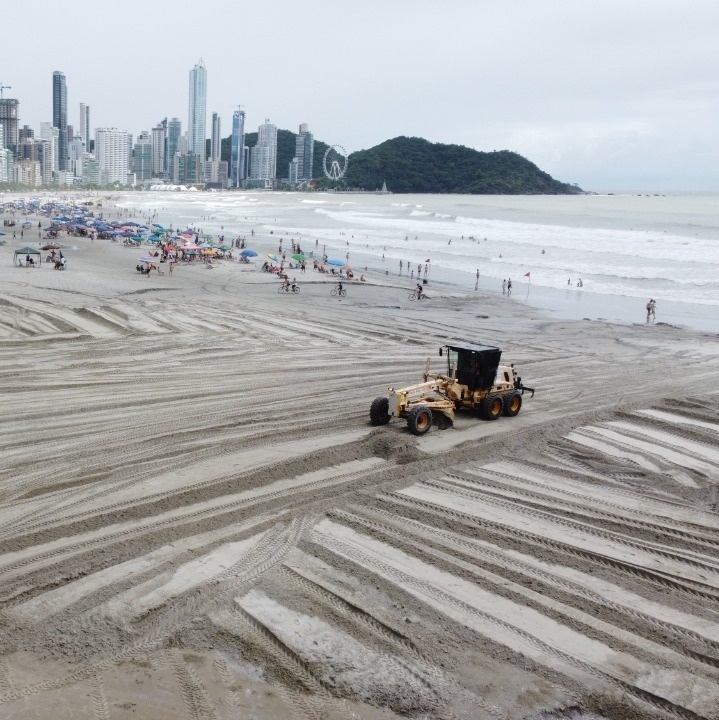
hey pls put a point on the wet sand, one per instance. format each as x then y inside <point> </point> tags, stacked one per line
<point>199,521</point>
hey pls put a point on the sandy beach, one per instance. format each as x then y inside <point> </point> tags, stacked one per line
<point>199,522</point>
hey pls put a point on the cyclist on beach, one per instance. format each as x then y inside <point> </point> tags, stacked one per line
<point>419,291</point>
<point>294,284</point>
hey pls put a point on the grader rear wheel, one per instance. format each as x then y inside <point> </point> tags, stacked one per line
<point>512,404</point>
<point>491,407</point>
<point>379,411</point>
<point>419,420</point>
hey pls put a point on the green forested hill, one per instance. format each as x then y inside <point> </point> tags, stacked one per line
<point>415,165</point>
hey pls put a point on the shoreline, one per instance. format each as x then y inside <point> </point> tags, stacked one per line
<point>571,303</point>
<point>558,303</point>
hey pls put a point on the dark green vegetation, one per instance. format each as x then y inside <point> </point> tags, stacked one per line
<point>414,165</point>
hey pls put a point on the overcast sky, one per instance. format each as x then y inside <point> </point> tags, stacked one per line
<point>608,94</point>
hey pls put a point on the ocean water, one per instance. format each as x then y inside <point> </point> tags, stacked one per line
<point>621,246</point>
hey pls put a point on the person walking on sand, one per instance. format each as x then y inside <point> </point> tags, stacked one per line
<point>504,286</point>
<point>509,286</point>
<point>651,310</point>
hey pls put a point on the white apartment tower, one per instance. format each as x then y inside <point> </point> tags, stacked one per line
<point>263,158</point>
<point>111,152</point>
<point>52,135</point>
<point>197,111</point>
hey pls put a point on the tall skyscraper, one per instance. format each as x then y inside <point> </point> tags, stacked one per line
<point>59,115</point>
<point>196,134</point>
<point>174,133</point>
<point>111,151</point>
<point>304,152</point>
<point>85,125</point>
<point>237,156</point>
<point>159,149</point>
<point>9,122</point>
<point>216,144</point>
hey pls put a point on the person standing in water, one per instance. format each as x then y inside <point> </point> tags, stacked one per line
<point>651,310</point>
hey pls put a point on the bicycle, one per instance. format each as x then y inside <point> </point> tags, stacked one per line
<point>294,289</point>
<point>335,291</point>
<point>413,296</point>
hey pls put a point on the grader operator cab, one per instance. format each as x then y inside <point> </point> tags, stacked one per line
<point>474,380</point>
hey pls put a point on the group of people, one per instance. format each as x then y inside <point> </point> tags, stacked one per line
<point>506,286</point>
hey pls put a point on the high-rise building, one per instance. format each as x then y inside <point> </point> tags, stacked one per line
<point>216,143</point>
<point>174,133</point>
<point>85,125</point>
<point>25,133</point>
<point>59,115</point>
<point>52,135</point>
<point>159,149</point>
<point>198,111</point>
<point>237,155</point>
<point>9,122</point>
<point>263,158</point>
<point>142,156</point>
<point>111,151</point>
<point>40,152</point>
<point>6,162</point>
<point>304,152</point>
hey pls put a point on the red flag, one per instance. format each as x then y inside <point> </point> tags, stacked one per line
<point>427,260</point>
<point>526,274</point>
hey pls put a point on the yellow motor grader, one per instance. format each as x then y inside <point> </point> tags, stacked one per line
<point>474,380</point>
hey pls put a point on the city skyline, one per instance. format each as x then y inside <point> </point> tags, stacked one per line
<point>610,96</point>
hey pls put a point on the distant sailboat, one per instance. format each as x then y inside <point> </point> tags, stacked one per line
<point>384,190</point>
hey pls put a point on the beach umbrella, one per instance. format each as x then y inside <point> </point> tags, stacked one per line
<point>209,251</point>
<point>274,258</point>
<point>300,257</point>
<point>248,253</point>
<point>49,246</point>
<point>336,262</point>
<point>224,248</point>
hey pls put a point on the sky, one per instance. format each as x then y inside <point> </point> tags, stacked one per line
<point>614,95</point>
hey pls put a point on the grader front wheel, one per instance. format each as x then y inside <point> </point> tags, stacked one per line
<point>419,420</point>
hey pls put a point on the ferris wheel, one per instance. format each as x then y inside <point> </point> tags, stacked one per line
<point>337,157</point>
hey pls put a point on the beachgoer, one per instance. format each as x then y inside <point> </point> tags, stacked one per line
<point>504,287</point>
<point>509,286</point>
<point>651,310</point>
<point>580,283</point>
